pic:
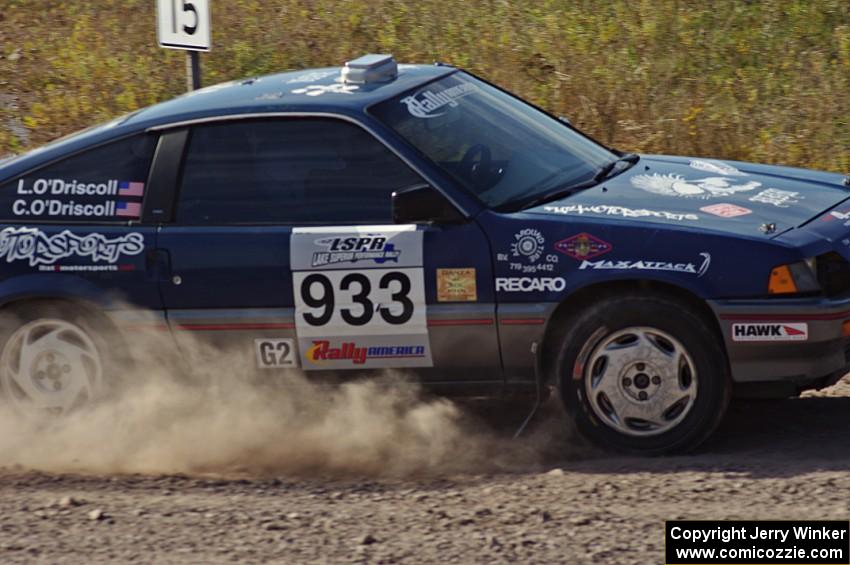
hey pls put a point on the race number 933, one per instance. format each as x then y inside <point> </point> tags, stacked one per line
<point>374,297</point>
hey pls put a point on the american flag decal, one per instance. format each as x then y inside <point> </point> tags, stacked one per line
<point>131,188</point>
<point>128,209</point>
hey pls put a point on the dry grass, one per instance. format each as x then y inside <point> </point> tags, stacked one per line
<point>765,81</point>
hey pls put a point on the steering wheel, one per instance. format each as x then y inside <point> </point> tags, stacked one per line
<point>476,164</point>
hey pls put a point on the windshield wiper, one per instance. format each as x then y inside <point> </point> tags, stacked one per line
<point>606,171</point>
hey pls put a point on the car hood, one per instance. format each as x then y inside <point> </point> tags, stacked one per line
<point>729,196</point>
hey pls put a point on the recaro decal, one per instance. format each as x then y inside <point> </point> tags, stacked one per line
<point>38,248</point>
<point>530,284</point>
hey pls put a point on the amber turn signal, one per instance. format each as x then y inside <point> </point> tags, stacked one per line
<point>845,328</point>
<point>781,281</point>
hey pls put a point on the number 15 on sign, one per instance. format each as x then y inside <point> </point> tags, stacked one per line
<point>184,24</point>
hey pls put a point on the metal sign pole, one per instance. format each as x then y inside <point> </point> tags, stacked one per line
<point>193,71</point>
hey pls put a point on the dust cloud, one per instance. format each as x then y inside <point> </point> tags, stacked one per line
<point>228,422</point>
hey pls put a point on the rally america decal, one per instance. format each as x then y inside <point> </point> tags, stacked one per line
<point>791,331</point>
<point>38,248</point>
<point>360,297</point>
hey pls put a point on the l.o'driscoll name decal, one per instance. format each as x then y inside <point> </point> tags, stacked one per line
<point>39,248</point>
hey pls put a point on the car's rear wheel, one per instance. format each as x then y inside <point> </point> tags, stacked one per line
<point>52,360</point>
<point>643,374</point>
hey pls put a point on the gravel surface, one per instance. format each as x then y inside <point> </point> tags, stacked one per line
<point>770,460</point>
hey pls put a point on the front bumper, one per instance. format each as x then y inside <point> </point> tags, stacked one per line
<point>764,343</point>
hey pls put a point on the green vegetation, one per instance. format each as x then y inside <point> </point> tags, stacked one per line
<point>764,81</point>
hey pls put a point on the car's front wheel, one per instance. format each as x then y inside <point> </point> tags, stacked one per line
<point>51,362</point>
<point>642,374</point>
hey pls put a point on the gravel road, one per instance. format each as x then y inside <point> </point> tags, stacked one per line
<point>771,460</point>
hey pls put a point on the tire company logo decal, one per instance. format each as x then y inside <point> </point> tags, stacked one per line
<point>528,253</point>
<point>776,197</point>
<point>368,247</point>
<point>677,185</point>
<point>583,246</point>
<point>726,210</point>
<point>426,104</point>
<point>39,248</point>
<point>642,265</point>
<point>770,332</point>
<point>716,167</point>
<point>605,210</point>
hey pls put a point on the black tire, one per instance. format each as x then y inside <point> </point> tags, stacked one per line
<point>102,340</point>
<point>590,330</point>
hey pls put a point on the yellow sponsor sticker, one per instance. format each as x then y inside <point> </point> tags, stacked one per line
<point>456,285</point>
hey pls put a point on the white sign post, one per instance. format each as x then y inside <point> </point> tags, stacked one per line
<point>185,24</point>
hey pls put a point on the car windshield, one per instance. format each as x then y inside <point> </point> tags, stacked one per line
<point>503,150</point>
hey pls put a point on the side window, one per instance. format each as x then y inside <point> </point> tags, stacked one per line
<point>99,185</point>
<point>288,171</point>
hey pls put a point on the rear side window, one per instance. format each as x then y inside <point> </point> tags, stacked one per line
<point>99,185</point>
<point>289,171</point>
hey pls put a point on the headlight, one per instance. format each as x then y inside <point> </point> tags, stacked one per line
<point>794,278</point>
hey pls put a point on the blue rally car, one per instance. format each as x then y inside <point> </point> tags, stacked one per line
<point>417,217</point>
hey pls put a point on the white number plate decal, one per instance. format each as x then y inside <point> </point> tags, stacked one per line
<point>275,353</point>
<point>360,297</point>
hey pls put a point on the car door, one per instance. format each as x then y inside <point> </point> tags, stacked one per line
<point>283,253</point>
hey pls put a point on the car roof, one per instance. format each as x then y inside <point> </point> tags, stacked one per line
<point>318,90</point>
<point>311,90</point>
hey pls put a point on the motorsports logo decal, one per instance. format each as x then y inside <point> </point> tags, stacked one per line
<point>605,210</point>
<point>677,185</point>
<point>425,104</point>
<point>368,247</point>
<point>583,246</point>
<point>642,265</point>
<point>38,248</point>
<point>770,332</point>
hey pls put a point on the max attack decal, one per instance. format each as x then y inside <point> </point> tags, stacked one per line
<point>641,265</point>
<point>605,210</point>
<point>38,248</point>
<point>716,167</point>
<point>779,198</point>
<point>456,285</point>
<point>770,332</point>
<point>426,104</point>
<point>677,185</point>
<point>583,246</point>
<point>726,210</point>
